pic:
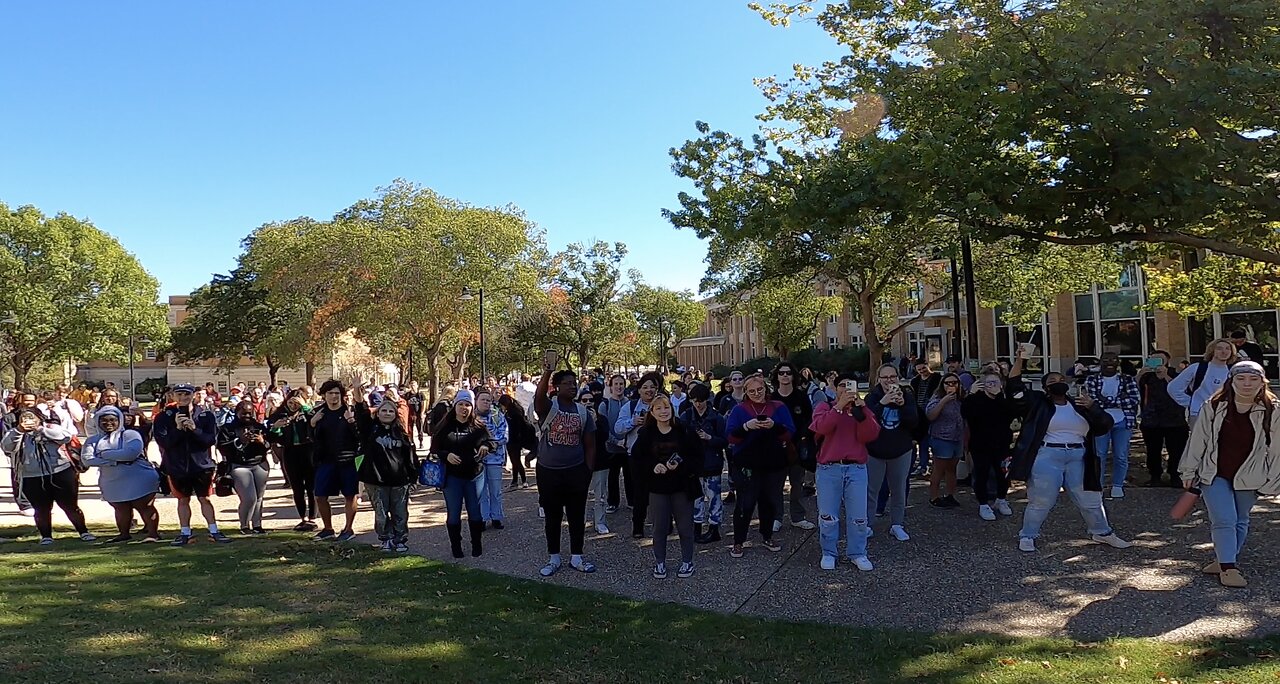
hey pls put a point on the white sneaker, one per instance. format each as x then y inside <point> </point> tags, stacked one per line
<point>1117,492</point>
<point>88,537</point>
<point>46,541</point>
<point>777,525</point>
<point>828,563</point>
<point>1112,540</point>
<point>803,524</point>
<point>899,533</point>
<point>1027,544</point>
<point>870,532</point>
<point>541,512</point>
<point>985,512</point>
<point>863,563</point>
<point>28,512</point>
<point>602,529</point>
<point>1002,507</point>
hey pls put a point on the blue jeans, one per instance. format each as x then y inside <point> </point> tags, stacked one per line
<point>710,507</point>
<point>1228,516</point>
<point>491,493</point>
<point>456,491</point>
<point>1053,470</point>
<point>1115,445</point>
<point>842,484</point>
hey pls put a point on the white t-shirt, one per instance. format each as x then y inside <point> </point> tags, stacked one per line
<point>1066,426</point>
<point>1111,390</point>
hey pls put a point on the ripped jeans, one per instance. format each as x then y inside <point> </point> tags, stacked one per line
<point>842,484</point>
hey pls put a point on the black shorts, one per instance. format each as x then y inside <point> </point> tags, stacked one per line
<point>198,484</point>
<point>333,479</point>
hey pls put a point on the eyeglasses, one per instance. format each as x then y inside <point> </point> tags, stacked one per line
<point>698,401</point>
<point>952,382</point>
<point>889,377</point>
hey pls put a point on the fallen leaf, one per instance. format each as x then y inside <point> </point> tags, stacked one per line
<point>1045,664</point>
<point>1124,663</point>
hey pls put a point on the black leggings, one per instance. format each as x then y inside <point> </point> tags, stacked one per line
<point>62,488</point>
<point>619,464</point>
<point>517,466</point>
<point>302,479</point>
<point>1158,439</point>
<point>765,489</point>
<point>985,464</point>
<point>563,492</point>
<point>18,497</point>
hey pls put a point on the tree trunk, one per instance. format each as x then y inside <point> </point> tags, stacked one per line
<point>310,367</point>
<point>433,384</point>
<point>273,368</point>
<point>21,365</point>
<point>870,332</point>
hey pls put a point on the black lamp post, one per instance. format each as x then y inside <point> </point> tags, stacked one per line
<point>467,295</point>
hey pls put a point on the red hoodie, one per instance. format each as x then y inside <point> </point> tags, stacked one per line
<point>844,438</point>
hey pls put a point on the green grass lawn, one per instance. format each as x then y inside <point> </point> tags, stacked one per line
<point>284,609</point>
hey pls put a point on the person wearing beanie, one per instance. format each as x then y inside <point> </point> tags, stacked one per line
<point>1229,458</point>
<point>461,441</point>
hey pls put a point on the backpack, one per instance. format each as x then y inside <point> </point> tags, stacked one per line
<point>1201,369</point>
<point>555,411</point>
<point>74,451</point>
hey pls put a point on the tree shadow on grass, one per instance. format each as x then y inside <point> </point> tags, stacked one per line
<point>285,610</point>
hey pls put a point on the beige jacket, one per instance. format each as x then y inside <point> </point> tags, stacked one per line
<point>1261,470</point>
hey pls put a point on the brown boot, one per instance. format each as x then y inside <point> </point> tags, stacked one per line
<point>1232,578</point>
<point>1212,569</point>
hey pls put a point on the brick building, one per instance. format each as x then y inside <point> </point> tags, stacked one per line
<point>1079,324</point>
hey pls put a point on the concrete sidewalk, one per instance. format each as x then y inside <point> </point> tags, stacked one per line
<point>957,573</point>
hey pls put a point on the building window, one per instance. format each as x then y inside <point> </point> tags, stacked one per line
<point>1008,338</point>
<point>916,345</point>
<point>149,355</point>
<point>1259,326</point>
<point>833,343</point>
<point>856,341</point>
<point>1115,321</point>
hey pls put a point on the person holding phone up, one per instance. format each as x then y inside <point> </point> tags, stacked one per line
<point>843,428</point>
<point>758,431</point>
<point>185,436</point>
<point>671,456</point>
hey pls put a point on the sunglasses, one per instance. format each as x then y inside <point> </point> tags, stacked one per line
<point>951,382</point>
<point>587,401</point>
<point>784,372</point>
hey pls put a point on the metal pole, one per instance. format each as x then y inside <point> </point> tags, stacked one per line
<point>484,368</point>
<point>133,391</point>
<point>970,295</point>
<point>955,307</point>
<point>410,363</point>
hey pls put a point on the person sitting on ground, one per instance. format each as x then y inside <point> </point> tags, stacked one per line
<point>185,435</point>
<point>1230,458</point>
<point>127,480</point>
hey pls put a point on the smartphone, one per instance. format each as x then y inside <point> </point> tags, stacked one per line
<point>675,460</point>
<point>851,385</point>
<point>550,358</point>
<point>1154,362</point>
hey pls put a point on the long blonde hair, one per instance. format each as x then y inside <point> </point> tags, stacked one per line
<point>1208,352</point>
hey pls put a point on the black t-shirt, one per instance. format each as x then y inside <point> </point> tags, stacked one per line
<point>801,410</point>
<point>415,400</point>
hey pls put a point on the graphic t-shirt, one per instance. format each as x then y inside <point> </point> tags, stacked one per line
<point>562,440</point>
<point>1111,390</point>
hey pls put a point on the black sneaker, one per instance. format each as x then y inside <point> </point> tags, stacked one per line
<point>937,503</point>
<point>245,531</point>
<point>219,538</point>
<point>181,540</point>
<point>497,524</point>
<point>950,502</point>
<point>259,530</point>
<point>711,536</point>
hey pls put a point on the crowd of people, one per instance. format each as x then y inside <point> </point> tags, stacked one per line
<point>676,453</point>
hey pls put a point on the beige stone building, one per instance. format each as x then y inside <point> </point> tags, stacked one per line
<point>1079,324</point>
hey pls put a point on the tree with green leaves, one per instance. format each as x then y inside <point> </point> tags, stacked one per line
<point>664,317</point>
<point>1151,125</point>
<point>769,211</point>
<point>1025,278</point>
<point>71,292</point>
<point>585,310</point>
<point>230,317</point>
<point>787,313</point>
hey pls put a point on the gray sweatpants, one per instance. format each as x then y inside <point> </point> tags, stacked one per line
<point>390,512</point>
<point>662,507</point>
<point>251,487</point>
<point>896,470</point>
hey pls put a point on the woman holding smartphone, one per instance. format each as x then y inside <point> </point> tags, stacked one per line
<point>758,431</point>
<point>671,457</point>
<point>243,444</point>
<point>946,433</point>
<point>1230,459</point>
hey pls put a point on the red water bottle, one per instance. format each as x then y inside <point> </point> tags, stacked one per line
<point>1185,504</point>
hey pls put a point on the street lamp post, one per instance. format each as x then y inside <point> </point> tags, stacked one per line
<point>133,389</point>
<point>467,295</point>
<point>662,346</point>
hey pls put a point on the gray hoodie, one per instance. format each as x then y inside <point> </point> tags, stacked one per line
<point>39,452</point>
<point>124,473</point>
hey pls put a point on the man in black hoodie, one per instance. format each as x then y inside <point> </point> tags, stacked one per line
<point>783,378</point>
<point>337,444</point>
<point>185,434</point>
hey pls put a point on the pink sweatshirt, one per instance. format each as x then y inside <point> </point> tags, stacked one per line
<point>843,437</point>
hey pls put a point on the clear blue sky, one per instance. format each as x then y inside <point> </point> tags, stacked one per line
<point>180,127</point>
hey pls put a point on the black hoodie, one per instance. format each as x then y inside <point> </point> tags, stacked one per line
<point>387,457</point>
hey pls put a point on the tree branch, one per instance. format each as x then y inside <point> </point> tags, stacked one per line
<point>1155,237</point>
<point>924,309</point>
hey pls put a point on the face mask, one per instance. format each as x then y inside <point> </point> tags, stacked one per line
<point>1058,389</point>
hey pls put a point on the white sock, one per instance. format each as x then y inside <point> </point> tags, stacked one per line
<point>555,559</point>
<point>185,530</point>
<point>575,560</point>
<point>213,528</point>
